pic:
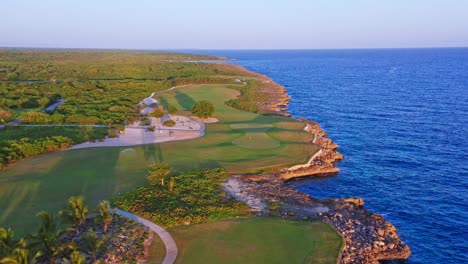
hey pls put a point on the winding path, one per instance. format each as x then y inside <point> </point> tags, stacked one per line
<point>169,243</point>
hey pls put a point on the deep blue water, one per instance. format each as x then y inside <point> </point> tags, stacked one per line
<point>401,120</point>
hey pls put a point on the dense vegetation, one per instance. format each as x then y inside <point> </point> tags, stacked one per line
<point>97,87</point>
<point>71,236</point>
<point>249,97</point>
<point>193,197</point>
<point>22,142</point>
<point>203,109</point>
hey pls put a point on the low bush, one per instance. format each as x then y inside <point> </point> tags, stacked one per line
<point>22,142</point>
<point>196,197</point>
<point>169,123</point>
<point>111,133</point>
<point>145,122</point>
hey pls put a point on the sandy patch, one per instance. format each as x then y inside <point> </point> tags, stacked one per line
<point>208,120</point>
<point>185,129</point>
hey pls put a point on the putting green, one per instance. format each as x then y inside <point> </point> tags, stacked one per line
<point>258,240</point>
<point>46,182</point>
<point>254,136</point>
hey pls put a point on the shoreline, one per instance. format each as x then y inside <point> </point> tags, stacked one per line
<point>278,97</point>
<point>367,236</point>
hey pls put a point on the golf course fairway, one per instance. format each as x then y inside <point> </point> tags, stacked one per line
<point>257,240</point>
<point>240,142</point>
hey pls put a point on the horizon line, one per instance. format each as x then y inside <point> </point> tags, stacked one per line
<point>228,49</point>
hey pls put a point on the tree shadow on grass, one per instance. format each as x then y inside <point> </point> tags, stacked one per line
<point>184,100</point>
<point>153,152</point>
<point>88,172</point>
<point>164,102</point>
<point>188,165</point>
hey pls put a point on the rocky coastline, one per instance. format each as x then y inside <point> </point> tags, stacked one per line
<point>368,237</point>
<point>275,99</point>
<point>322,163</point>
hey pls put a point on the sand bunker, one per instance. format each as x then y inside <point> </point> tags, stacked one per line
<point>185,128</point>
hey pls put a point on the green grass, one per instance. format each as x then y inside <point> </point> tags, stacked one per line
<point>241,141</point>
<point>46,182</point>
<point>257,240</point>
<point>157,251</point>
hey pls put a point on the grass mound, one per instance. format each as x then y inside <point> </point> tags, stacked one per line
<point>257,240</point>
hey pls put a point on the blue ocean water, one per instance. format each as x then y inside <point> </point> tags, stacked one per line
<point>400,117</point>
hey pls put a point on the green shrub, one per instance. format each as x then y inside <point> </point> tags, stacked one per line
<point>273,206</point>
<point>169,123</point>
<point>112,133</point>
<point>172,110</point>
<point>158,113</point>
<point>5,116</point>
<point>145,122</point>
<point>196,197</point>
<point>203,109</point>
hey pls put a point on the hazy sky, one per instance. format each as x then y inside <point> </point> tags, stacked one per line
<point>234,24</point>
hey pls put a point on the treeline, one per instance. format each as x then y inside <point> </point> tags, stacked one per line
<point>71,65</point>
<point>73,236</point>
<point>22,142</point>
<point>93,102</point>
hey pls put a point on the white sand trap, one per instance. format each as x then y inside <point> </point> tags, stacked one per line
<point>185,128</point>
<point>209,120</point>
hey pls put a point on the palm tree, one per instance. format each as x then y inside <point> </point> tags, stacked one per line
<point>76,258</point>
<point>158,172</point>
<point>171,184</point>
<point>20,256</point>
<point>48,238</point>
<point>14,251</point>
<point>76,211</point>
<point>7,241</point>
<point>105,214</point>
<point>93,245</point>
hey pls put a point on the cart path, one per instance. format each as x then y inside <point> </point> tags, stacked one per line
<point>169,243</point>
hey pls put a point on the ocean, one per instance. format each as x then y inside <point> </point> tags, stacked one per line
<point>400,117</point>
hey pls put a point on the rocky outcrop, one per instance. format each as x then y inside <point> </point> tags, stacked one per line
<point>275,98</point>
<point>277,95</point>
<point>321,164</point>
<point>368,237</point>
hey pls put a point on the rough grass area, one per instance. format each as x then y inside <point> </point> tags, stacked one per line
<point>195,197</point>
<point>46,181</point>
<point>157,250</point>
<point>257,240</point>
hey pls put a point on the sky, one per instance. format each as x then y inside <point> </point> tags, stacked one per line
<point>233,24</point>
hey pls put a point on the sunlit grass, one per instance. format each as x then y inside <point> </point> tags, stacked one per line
<point>258,240</point>
<point>46,182</point>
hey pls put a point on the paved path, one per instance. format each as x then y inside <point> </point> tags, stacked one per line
<point>169,243</point>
